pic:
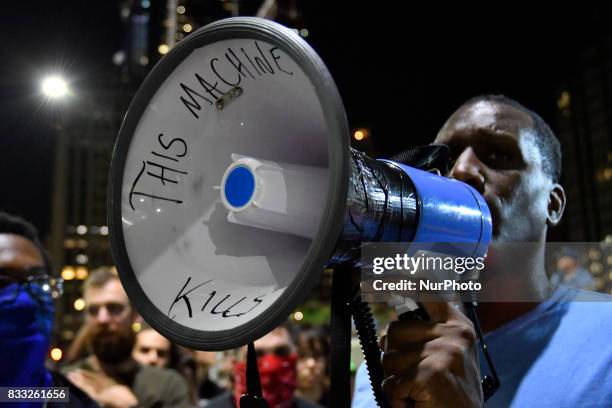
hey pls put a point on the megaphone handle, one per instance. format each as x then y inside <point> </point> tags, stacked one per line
<point>253,398</point>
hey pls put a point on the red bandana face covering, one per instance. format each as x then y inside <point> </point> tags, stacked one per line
<point>278,379</point>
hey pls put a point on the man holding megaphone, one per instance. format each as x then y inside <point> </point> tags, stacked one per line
<point>233,171</point>
<point>549,349</point>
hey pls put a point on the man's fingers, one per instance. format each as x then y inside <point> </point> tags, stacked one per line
<point>401,333</point>
<point>90,375</point>
<point>428,362</point>
<point>74,377</point>
<point>397,390</point>
<point>438,311</point>
<point>80,375</point>
<point>77,378</point>
<point>399,361</point>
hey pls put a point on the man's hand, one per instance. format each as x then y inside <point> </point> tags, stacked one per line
<point>434,363</point>
<point>103,389</point>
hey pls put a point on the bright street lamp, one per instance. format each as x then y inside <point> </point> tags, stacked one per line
<point>54,87</point>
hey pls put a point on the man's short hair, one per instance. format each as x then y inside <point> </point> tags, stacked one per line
<point>12,224</point>
<point>545,139</point>
<point>99,277</point>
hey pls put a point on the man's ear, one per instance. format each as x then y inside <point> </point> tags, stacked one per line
<point>556,205</point>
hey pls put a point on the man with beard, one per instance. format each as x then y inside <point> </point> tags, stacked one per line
<point>110,375</point>
<point>551,348</point>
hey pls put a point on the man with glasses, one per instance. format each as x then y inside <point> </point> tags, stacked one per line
<point>27,312</point>
<point>110,375</point>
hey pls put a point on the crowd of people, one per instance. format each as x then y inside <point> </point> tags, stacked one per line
<point>117,360</point>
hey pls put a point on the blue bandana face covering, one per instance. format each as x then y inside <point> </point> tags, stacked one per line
<point>25,333</point>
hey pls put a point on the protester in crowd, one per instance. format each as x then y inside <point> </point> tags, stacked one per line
<point>312,365</point>
<point>276,360</point>
<point>570,272</point>
<point>153,349</point>
<point>27,313</point>
<point>550,351</point>
<point>110,375</point>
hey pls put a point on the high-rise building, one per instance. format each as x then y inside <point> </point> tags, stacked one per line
<point>584,126</point>
<point>153,28</point>
<point>79,231</point>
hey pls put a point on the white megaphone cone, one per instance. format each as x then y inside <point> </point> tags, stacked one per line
<point>245,105</point>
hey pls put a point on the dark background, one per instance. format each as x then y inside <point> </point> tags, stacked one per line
<point>401,70</point>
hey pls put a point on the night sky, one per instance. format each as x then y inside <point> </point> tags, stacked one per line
<point>400,70</point>
<point>73,37</point>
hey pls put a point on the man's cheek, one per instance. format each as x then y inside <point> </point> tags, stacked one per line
<point>533,199</point>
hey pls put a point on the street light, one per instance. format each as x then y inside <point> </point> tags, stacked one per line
<point>54,87</point>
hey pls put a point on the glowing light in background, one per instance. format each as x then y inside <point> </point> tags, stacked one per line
<point>79,304</point>
<point>68,273</point>
<point>56,354</point>
<point>361,134</point>
<point>54,87</point>
<point>81,273</point>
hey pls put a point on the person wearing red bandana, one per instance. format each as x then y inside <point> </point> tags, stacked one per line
<point>277,362</point>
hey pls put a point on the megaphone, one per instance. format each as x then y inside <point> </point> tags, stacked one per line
<point>232,185</point>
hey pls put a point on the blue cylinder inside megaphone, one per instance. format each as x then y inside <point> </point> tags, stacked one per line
<point>450,211</point>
